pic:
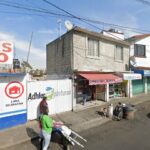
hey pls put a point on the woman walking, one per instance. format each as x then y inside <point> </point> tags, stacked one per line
<point>47,126</point>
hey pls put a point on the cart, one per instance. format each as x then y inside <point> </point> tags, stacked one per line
<point>71,136</point>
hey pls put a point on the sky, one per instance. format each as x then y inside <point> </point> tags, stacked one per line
<point>17,24</point>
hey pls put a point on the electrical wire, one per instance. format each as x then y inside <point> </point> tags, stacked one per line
<point>46,1</point>
<point>144,2</point>
<point>69,15</point>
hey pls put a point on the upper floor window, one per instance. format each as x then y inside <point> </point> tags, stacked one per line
<point>93,48</point>
<point>119,53</point>
<point>139,50</point>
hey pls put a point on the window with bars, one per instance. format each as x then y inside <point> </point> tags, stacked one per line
<point>139,50</point>
<point>93,48</point>
<point>119,53</point>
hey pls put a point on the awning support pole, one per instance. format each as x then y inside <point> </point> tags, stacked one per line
<point>107,93</point>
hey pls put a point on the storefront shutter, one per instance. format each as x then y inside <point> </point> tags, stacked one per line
<point>148,83</point>
<point>137,87</point>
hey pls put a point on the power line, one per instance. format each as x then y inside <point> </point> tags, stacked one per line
<point>85,20</point>
<point>144,2</point>
<point>77,17</point>
<point>118,26</point>
<point>95,21</point>
<point>74,16</point>
<point>27,8</point>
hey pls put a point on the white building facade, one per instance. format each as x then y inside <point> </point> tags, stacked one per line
<point>140,62</point>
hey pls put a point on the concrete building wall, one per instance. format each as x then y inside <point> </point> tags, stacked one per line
<point>59,55</point>
<point>106,61</point>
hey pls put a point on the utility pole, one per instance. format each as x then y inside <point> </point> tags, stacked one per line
<point>29,47</point>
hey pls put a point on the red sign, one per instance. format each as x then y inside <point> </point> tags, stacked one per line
<point>14,89</point>
<point>6,52</point>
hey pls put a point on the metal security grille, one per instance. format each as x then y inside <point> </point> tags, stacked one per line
<point>137,87</point>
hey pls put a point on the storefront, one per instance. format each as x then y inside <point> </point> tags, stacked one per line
<point>143,85</point>
<point>130,82</point>
<point>98,85</point>
<point>137,87</point>
<point>117,90</point>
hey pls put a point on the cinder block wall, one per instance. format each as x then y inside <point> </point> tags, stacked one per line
<point>70,53</point>
<point>59,55</point>
<point>106,61</point>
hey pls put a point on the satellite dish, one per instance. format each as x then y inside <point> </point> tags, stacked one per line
<point>68,25</point>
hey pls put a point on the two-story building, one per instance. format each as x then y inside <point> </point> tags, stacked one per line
<point>140,62</point>
<point>93,60</point>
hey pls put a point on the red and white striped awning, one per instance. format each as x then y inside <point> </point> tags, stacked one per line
<point>96,78</point>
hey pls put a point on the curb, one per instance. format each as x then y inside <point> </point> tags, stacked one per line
<point>78,127</point>
<point>18,143</point>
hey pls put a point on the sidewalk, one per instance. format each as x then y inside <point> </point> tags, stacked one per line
<point>77,120</point>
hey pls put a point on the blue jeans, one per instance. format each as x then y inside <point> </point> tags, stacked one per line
<point>46,140</point>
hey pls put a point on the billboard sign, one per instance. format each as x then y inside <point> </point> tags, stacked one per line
<point>6,52</point>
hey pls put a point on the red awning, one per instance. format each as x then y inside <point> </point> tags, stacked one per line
<point>95,78</point>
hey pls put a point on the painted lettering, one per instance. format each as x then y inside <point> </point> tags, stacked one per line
<point>6,47</point>
<point>3,57</point>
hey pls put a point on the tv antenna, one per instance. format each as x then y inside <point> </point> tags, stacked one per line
<point>59,27</point>
<point>68,25</point>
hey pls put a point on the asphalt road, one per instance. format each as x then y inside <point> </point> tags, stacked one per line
<point>121,135</point>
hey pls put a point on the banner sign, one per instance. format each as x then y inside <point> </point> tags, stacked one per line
<point>6,52</point>
<point>134,76</point>
<point>58,92</point>
<point>13,96</point>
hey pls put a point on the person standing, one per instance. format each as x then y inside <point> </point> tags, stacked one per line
<point>42,108</point>
<point>47,126</point>
<point>43,105</point>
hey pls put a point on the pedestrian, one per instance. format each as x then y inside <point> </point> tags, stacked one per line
<point>42,108</point>
<point>47,126</point>
<point>43,105</point>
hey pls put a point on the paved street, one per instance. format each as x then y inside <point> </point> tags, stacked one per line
<point>121,135</point>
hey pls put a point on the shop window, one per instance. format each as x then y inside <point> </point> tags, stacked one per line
<point>116,90</point>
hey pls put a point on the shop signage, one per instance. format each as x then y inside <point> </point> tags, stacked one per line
<point>6,52</point>
<point>146,72</point>
<point>14,89</point>
<point>13,96</point>
<point>134,76</point>
<point>49,92</point>
<point>96,82</point>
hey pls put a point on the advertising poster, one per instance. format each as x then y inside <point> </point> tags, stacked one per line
<point>58,93</point>
<point>12,100</point>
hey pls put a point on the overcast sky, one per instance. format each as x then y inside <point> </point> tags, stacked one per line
<point>17,24</point>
